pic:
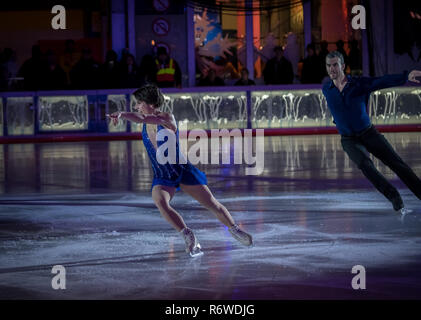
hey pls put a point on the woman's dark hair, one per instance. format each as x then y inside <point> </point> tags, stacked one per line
<point>150,94</point>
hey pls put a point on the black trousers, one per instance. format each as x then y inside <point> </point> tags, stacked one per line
<point>370,140</point>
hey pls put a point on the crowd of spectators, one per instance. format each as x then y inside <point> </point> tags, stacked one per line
<point>313,67</point>
<point>279,70</point>
<point>74,69</point>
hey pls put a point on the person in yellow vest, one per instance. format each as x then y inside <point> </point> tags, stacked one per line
<point>168,73</point>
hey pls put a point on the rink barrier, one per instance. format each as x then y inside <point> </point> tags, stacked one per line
<point>74,137</point>
<point>55,116</point>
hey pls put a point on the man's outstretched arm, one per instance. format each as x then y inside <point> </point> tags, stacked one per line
<point>392,80</point>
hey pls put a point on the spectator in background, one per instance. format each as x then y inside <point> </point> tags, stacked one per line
<point>225,69</point>
<point>32,70</point>
<point>8,69</point>
<point>129,73</point>
<point>311,66</point>
<point>69,59</point>
<point>54,76</point>
<point>340,48</point>
<point>292,53</point>
<point>278,70</point>
<point>211,80</point>
<point>322,58</point>
<point>4,79</point>
<point>355,61</point>
<point>147,70</point>
<point>85,74</point>
<point>244,80</point>
<point>109,71</point>
<point>124,53</point>
<point>168,72</point>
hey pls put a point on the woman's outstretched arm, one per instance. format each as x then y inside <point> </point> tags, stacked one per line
<point>165,119</point>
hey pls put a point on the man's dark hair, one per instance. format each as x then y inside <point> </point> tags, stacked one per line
<point>336,54</point>
<point>150,94</point>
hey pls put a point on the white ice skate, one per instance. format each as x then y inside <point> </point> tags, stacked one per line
<point>192,245</point>
<point>403,211</point>
<point>240,235</point>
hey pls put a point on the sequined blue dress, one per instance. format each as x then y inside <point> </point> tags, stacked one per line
<point>171,174</point>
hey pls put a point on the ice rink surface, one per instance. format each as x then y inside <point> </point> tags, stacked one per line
<point>313,216</point>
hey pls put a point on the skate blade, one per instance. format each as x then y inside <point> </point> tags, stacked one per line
<point>196,252</point>
<point>244,242</point>
<point>247,244</point>
<point>405,211</point>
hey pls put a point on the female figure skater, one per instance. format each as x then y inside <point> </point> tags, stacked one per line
<point>168,177</point>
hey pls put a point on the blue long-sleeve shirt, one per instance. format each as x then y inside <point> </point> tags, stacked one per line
<point>349,107</point>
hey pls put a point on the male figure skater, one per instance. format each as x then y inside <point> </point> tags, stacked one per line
<point>347,99</point>
<point>169,176</point>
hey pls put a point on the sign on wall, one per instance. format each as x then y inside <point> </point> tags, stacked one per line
<point>161,5</point>
<point>161,27</point>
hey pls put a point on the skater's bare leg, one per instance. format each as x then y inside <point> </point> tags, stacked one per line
<point>162,196</point>
<point>204,196</point>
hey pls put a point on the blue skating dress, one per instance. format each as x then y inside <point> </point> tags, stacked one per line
<point>171,174</point>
